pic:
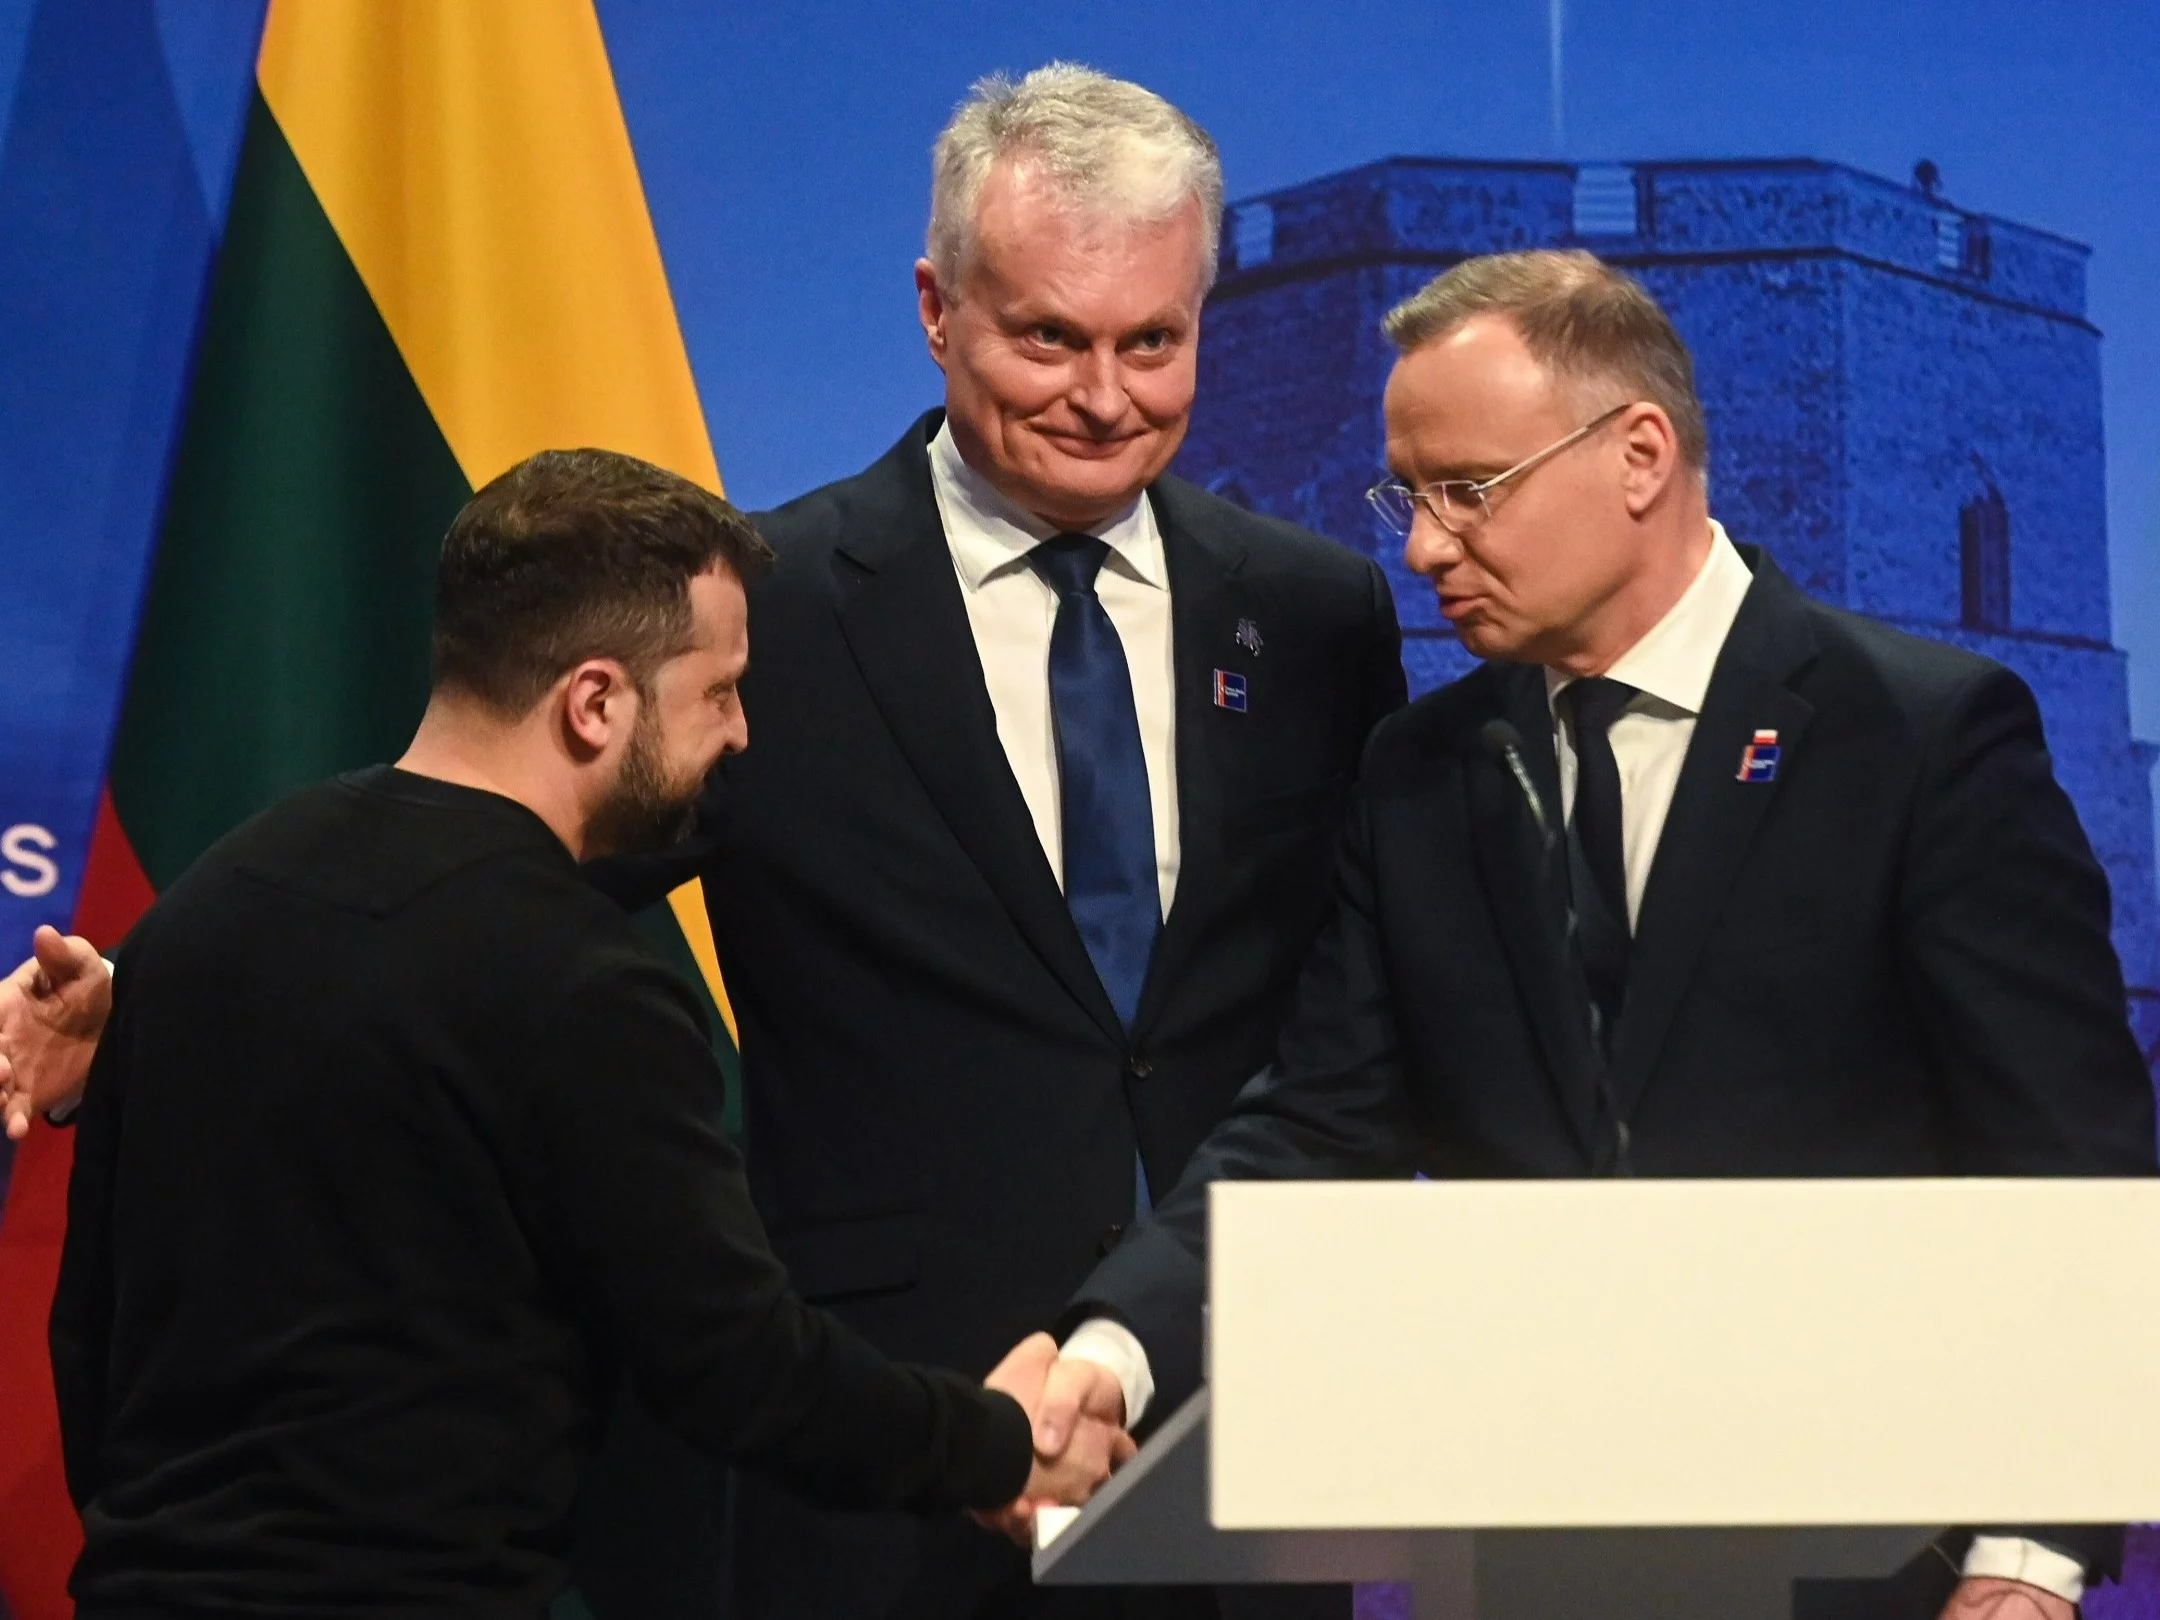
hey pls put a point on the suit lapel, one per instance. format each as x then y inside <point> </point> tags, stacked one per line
<point>1714,814</point>
<point>901,611</point>
<point>1207,597</point>
<point>1527,908</point>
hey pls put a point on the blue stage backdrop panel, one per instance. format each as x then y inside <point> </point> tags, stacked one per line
<point>1911,400</point>
<point>117,157</point>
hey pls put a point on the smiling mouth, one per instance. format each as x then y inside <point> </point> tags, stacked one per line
<point>1080,446</point>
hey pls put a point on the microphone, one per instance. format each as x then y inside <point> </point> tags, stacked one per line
<point>1504,743</point>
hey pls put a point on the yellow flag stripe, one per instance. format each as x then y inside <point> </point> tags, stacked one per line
<point>473,159</point>
<point>688,904</point>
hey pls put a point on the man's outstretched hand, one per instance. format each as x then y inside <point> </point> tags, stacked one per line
<point>52,1010</point>
<point>1078,1413</point>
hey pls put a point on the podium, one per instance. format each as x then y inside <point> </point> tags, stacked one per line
<point>1641,1400</point>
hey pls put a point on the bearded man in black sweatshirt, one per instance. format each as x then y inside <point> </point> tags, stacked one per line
<point>334,1346</point>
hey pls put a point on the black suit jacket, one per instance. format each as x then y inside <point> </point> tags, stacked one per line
<point>1892,959</point>
<point>941,1108</point>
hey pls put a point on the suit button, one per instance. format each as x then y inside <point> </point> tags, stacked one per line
<point>1112,1236</point>
<point>1138,1068</point>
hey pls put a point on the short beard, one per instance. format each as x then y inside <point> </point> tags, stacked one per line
<point>643,811</point>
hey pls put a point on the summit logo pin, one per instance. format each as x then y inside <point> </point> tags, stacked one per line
<point>1759,759</point>
<point>1248,636</point>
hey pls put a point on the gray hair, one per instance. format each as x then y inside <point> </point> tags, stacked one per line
<point>1112,146</point>
<point>1580,318</point>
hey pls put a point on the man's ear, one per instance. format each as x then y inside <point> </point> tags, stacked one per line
<point>932,306</point>
<point>598,702</point>
<point>1651,452</point>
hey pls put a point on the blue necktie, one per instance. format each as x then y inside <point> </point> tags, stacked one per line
<point>1108,819</point>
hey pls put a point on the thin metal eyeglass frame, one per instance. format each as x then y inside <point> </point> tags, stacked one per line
<point>1378,494</point>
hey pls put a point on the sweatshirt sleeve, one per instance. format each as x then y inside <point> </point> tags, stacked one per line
<point>645,1217</point>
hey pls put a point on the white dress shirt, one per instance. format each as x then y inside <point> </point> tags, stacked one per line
<point>1012,610</point>
<point>1670,668</point>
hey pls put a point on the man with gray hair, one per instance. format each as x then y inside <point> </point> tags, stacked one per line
<point>1695,877</point>
<point>1052,749</point>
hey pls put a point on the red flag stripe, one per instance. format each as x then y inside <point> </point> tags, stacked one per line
<point>43,1533</point>
<point>114,889</point>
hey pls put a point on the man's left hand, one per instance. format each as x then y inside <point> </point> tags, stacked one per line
<point>1988,1598</point>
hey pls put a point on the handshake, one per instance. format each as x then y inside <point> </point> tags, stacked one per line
<point>1077,1410</point>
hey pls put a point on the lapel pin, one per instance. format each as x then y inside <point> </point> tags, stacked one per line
<point>1759,759</point>
<point>1248,636</point>
<point>1229,691</point>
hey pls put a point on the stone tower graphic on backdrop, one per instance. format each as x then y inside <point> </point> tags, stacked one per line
<point>1904,407</point>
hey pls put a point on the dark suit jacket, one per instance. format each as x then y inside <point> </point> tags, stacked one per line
<point>941,1109</point>
<point>1893,959</point>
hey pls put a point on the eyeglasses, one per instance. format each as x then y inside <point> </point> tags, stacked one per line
<point>1459,504</point>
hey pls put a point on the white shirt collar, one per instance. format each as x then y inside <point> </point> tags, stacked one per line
<point>1674,660</point>
<point>990,534</point>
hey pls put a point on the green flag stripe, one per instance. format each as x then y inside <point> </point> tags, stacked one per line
<point>284,637</point>
<point>285,634</point>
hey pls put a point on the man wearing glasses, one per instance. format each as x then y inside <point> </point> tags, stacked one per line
<point>1696,877</point>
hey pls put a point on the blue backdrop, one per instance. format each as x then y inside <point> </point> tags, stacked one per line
<point>784,151</point>
<point>785,157</point>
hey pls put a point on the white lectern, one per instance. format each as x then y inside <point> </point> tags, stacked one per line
<point>1654,1399</point>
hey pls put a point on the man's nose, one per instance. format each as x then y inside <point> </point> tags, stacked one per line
<point>1430,546</point>
<point>1098,390</point>
<point>738,734</point>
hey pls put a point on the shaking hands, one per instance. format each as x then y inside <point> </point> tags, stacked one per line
<point>1077,1410</point>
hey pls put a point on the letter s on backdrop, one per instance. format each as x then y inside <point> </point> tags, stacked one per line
<point>30,871</point>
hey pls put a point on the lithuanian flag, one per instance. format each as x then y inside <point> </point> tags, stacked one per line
<point>438,260</point>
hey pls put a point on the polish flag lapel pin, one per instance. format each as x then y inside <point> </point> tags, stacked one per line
<point>1759,759</point>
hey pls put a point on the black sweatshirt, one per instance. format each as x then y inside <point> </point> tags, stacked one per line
<point>397,1145</point>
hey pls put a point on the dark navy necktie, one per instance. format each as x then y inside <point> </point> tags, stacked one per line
<point>1107,818</point>
<point>1596,854</point>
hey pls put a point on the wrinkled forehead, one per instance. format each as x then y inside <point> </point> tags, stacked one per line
<point>1032,225</point>
<point>1472,399</point>
<point>1473,367</point>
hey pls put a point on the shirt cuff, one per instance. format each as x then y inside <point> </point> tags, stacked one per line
<point>2014,1558</point>
<point>1111,1346</point>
